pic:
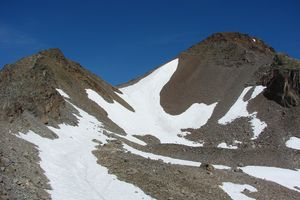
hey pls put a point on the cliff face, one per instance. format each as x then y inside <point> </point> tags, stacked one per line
<point>283,81</point>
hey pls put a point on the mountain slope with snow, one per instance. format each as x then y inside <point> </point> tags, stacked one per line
<point>72,168</point>
<point>148,116</point>
<point>207,125</point>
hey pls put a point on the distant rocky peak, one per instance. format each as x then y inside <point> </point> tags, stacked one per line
<point>46,58</point>
<point>230,41</point>
<point>29,86</point>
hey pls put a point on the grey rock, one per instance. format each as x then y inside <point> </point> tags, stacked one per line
<point>240,165</point>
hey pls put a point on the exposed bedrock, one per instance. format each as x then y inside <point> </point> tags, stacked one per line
<point>283,81</point>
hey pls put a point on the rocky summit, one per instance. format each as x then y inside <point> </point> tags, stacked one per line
<point>220,121</point>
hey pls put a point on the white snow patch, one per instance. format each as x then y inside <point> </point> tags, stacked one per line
<point>239,109</point>
<point>71,167</point>
<point>257,90</point>
<point>293,143</point>
<point>235,190</point>
<point>224,145</point>
<point>221,167</point>
<point>132,139</point>
<point>166,159</point>
<point>149,117</point>
<point>285,177</point>
<point>257,126</point>
<point>237,142</point>
<point>254,40</point>
<point>62,93</point>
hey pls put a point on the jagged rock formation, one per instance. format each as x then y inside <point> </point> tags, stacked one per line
<point>283,81</point>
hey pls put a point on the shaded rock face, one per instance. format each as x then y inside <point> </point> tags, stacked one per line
<point>217,68</point>
<point>283,81</point>
<point>29,86</point>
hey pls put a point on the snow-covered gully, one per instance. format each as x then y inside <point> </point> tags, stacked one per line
<point>149,117</point>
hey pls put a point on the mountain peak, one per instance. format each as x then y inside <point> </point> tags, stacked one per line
<point>236,37</point>
<point>37,77</point>
<point>210,63</point>
<point>229,36</point>
<point>233,41</point>
<point>53,53</point>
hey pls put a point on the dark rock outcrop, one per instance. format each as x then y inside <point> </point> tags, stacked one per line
<point>283,81</point>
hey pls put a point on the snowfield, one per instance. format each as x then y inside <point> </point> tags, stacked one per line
<point>235,190</point>
<point>293,143</point>
<point>149,117</point>
<point>71,167</point>
<point>159,157</point>
<point>74,174</point>
<point>239,109</point>
<point>285,177</point>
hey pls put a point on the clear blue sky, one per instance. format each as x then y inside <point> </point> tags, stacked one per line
<point>119,40</point>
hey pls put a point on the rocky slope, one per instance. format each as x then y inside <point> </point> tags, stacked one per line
<point>29,101</point>
<point>204,69</point>
<point>220,121</point>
